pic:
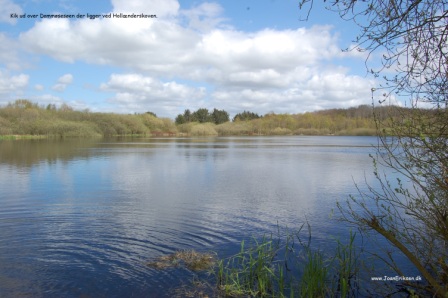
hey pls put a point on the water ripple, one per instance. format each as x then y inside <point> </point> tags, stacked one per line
<point>85,221</point>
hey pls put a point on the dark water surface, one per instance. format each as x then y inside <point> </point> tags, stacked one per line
<point>81,218</point>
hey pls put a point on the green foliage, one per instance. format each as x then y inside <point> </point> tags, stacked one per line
<point>168,125</point>
<point>23,117</point>
<point>412,142</point>
<point>219,116</point>
<point>202,116</point>
<point>186,117</point>
<point>315,275</point>
<point>353,121</point>
<point>26,118</point>
<point>268,268</point>
<point>280,131</point>
<point>245,116</point>
<point>252,271</point>
<point>5,126</point>
<point>51,107</point>
<point>180,119</point>
<point>412,218</point>
<point>348,264</point>
<point>151,113</point>
<point>62,128</point>
<point>203,129</point>
<point>198,129</point>
<point>230,128</point>
<point>22,104</point>
<point>185,128</point>
<point>151,122</point>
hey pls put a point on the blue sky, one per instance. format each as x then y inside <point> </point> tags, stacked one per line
<point>240,55</point>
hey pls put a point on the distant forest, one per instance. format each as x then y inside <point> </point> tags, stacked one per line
<point>25,118</point>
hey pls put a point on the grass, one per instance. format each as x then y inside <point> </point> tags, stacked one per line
<point>281,266</point>
<point>289,267</point>
<point>315,275</point>
<point>348,267</point>
<point>250,272</point>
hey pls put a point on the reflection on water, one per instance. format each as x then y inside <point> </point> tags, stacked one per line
<point>82,217</point>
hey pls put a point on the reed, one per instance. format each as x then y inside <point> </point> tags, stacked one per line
<point>348,267</point>
<point>289,267</point>
<point>313,282</point>
<point>253,271</point>
<point>282,266</point>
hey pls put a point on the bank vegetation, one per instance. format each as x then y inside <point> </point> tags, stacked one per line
<point>24,118</point>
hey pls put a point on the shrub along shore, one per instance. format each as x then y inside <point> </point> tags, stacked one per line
<point>25,119</point>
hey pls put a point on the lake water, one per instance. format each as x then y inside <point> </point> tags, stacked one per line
<point>81,218</point>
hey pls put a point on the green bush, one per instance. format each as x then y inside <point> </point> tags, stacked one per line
<point>280,131</point>
<point>234,128</point>
<point>269,268</point>
<point>5,126</point>
<point>203,129</point>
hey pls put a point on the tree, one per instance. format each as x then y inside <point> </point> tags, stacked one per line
<point>23,104</point>
<point>151,113</point>
<point>65,108</point>
<point>245,116</point>
<point>220,116</point>
<point>201,115</point>
<point>412,38</point>
<point>183,118</point>
<point>180,119</point>
<point>187,115</point>
<point>51,107</point>
<point>410,35</point>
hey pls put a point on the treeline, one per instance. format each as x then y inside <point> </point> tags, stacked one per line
<point>202,116</point>
<point>27,118</point>
<point>24,117</point>
<point>353,121</point>
<point>217,116</point>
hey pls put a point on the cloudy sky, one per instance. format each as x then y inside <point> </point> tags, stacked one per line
<point>236,55</point>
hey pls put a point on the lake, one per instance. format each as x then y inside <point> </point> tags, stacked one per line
<point>81,218</point>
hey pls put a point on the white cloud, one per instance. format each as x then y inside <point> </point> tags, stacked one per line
<point>135,92</point>
<point>340,87</point>
<point>162,8</point>
<point>7,8</point>
<point>164,47</point>
<point>66,79</point>
<point>12,84</point>
<point>204,17</point>
<point>59,87</point>
<point>264,58</point>
<point>9,53</point>
<point>278,70</point>
<point>63,82</point>
<point>319,91</point>
<point>39,87</point>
